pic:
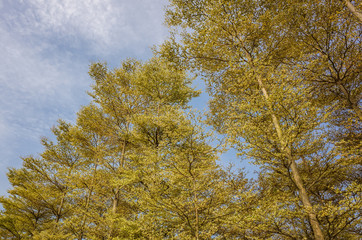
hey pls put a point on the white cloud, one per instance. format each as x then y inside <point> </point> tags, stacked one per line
<point>34,92</point>
<point>91,19</point>
<point>101,25</point>
<point>46,46</point>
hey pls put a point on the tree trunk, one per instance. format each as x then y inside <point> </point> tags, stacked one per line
<point>84,218</point>
<point>196,214</point>
<point>305,200</point>
<point>353,10</point>
<point>318,235</point>
<point>87,203</point>
<point>59,211</point>
<point>115,200</point>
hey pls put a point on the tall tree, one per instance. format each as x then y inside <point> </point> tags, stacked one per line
<point>133,166</point>
<point>259,100</point>
<point>126,96</point>
<point>175,183</point>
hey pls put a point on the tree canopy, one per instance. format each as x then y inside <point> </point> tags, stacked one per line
<point>284,79</point>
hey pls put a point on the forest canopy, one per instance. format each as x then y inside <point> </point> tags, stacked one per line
<point>285,86</point>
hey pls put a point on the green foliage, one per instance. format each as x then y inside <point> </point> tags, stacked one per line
<point>285,81</point>
<point>285,84</point>
<point>136,165</point>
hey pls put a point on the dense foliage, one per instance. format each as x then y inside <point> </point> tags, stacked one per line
<point>284,79</point>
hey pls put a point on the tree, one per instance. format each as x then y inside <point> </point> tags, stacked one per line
<point>176,185</point>
<point>184,193</point>
<point>38,204</point>
<point>243,50</point>
<point>135,165</point>
<point>285,82</point>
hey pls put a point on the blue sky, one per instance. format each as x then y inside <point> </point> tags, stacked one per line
<point>46,48</point>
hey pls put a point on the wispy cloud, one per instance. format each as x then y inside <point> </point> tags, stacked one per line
<point>34,92</point>
<point>46,47</point>
<point>99,24</point>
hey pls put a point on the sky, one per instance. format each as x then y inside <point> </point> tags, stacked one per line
<point>46,49</point>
